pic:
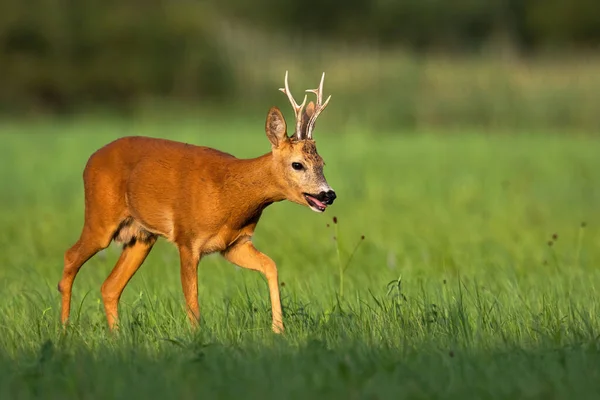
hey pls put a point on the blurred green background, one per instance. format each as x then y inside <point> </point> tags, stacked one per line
<point>460,140</point>
<point>501,64</point>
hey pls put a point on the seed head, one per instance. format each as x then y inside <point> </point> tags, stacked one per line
<point>554,237</point>
<point>362,237</point>
<point>550,243</point>
<point>335,220</point>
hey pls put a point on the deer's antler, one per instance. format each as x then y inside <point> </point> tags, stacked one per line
<point>297,108</point>
<point>320,106</point>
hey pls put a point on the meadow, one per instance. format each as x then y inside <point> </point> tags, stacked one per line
<point>478,275</point>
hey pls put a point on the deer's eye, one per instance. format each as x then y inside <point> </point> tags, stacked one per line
<point>297,166</point>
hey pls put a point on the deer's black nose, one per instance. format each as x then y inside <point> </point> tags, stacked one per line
<point>329,196</point>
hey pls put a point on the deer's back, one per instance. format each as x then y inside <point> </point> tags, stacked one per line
<point>157,163</point>
<point>166,186</point>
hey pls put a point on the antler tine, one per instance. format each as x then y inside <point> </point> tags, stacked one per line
<point>319,90</point>
<point>297,108</point>
<point>318,108</point>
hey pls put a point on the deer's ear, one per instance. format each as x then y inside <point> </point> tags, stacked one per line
<point>308,112</point>
<point>276,127</point>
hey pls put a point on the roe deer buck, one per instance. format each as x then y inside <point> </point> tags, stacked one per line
<point>199,198</point>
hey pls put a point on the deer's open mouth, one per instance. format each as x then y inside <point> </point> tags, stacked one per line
<point>314,203</point>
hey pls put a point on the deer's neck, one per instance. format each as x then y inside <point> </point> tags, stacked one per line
<point>256,182</point>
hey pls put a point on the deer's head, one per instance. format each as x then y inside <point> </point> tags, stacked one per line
<point>297,164</point>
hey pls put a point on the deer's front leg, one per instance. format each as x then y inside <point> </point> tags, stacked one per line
<point>189,283</point>
<point>245,255</point>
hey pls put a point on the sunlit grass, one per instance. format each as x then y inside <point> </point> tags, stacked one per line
<point>477,276</point>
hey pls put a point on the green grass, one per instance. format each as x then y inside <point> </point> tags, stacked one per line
<point>454,292</point>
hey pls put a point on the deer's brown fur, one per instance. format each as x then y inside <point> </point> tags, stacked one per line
<point>201,199</point>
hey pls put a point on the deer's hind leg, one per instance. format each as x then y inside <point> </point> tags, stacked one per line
<point>92,240</point>
<point>133,255</point>
<point>105,211</point>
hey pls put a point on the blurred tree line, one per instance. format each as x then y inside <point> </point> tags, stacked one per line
<point>67,54</point>
<point>422,25</point>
